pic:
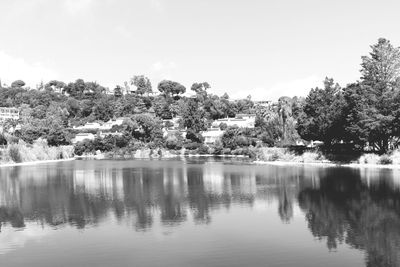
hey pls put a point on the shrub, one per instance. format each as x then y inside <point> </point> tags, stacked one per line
<point>385,160</point>
<point>3,140</point>
<point>192,145</point>
<point>216,148</point>
<point>223,126</point>
<point>203,150</point>
<point>174,141</point>
<point>396,157</point>
<point>369,159</point>
<point>309,157</point>
<point>194,137</point>
<point>226,151</point>
<point>14,153</point>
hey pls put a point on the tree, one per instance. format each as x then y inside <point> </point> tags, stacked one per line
<point>17,84</point>
<point>142,83</point>
<point>200,87</point>
<point>148,128</point>
<point>230,138</point>
<point>381,69</point>
<point>55,85</point>
<point>372,105</point>
<point>323,117</point>
<point>58,137</point>
<point>171,88</point>
<point>118,91</point>
<point>193,116</point>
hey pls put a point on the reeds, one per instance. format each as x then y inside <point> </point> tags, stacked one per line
<point>39,150</point>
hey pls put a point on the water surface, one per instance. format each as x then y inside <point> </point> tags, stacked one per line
<point>197,213</point>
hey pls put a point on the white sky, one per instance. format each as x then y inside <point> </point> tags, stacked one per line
<point>265,48</point>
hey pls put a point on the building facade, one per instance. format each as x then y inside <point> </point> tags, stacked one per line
<point>9,114</point>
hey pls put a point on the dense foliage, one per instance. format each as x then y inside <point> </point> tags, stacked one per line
<point>363,115</point>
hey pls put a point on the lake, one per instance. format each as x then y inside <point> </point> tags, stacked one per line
<point>197,213</point>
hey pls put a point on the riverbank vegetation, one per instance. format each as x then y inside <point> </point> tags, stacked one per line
<point>360,118</point>
<point>38,151</point>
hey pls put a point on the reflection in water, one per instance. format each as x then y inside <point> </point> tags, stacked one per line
<point>86,195</point>
<point>359,208</point>
<point>363,211</point>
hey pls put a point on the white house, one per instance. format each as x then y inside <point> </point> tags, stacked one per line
<point>83,136</point>
<point>174,122</point>
<point>97,126</point>
<point>212,135</point>
<point>109,124</point>
<point>241,120</point>
<point>9,114</point>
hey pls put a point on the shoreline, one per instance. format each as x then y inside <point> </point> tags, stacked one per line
<point>328,164</point>
<point>256,162</point>
<point>34,162</point>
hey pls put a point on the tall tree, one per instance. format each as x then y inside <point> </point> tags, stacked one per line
<point>323,114</point>
<point>193,116</point>
<point>373,112</point>
<point>142,83</point>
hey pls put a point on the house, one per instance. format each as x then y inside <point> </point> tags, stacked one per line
<point>115,122</point>
<point>263,103</point>
<point>212,135</point>
<point>172,123</point>
<point>9,114</point>
<point>83,136</point>
<point>88,126</point>
<point>241,121</point>
<point>103,135</point>
<point>97,126</point>
<point>167,131</point>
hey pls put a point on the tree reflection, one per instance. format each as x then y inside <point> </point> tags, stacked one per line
<point>347,207</point>
<point>90,193</point>
<point>12,216</point>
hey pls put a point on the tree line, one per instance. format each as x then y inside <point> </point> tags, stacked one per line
<point>364,114</point>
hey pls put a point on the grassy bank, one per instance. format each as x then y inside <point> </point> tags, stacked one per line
<point>271,154</point>
<point>38,151</point>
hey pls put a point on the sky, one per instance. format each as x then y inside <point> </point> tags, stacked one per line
<point>262,48</point>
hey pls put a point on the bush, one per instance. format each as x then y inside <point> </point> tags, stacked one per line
<point>396,157</point>
<point>369,159</point>
<point>203,150</point>
<point>309,157</point>
<point>174,141</point>
<point>385,160</point>
<point>13,152</point>
<point>194,137</point>
<point>272,154</point>
<point>226,151</point>
<point>192,145</point>
<point>3,140</point>
<point>216,148</point>
<point>267,139</point>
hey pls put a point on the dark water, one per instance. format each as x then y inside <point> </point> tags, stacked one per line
<point>197,213</point>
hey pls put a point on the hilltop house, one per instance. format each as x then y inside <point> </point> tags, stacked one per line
<point>9,114</point>
<point>241,120</point>
<point>97,126</point>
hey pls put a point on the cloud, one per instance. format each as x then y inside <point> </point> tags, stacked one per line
<point>160,65</point>
<point>157,5</point>
<point>299,87</point>
<point>76,6</point>
<point>163,69</point>
<point>124,32</point>
<point>13,68</point>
